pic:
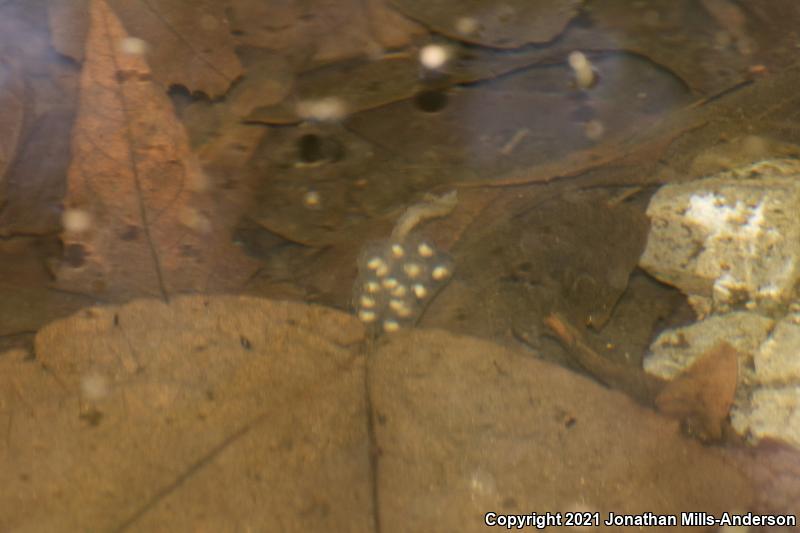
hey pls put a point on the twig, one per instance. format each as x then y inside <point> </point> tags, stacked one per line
<point>635,382</point>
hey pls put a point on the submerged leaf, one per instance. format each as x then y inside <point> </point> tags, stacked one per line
<point>146,222</point>
<point>13,107</point>
<point>502,25</point>
<point>188,43</point>
<point>703,394</point>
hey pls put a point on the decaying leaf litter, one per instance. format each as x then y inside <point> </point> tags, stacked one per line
<point>254,412</point>
<point>154,226</point>
<point>375,161</point>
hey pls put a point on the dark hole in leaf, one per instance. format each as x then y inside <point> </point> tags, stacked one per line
<point>130,233</point>
<point>431,101</point>
<point>74,255</point>
<point>187,250</point>
<point>309,148</point>
<point>92,417</point>
<point>313,148</point>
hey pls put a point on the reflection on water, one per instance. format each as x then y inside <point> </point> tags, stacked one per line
<point>254,253</point>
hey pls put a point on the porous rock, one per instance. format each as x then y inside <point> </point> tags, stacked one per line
<point>731,240</point>
<point>768,393</point>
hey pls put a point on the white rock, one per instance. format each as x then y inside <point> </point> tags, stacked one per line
<point>731,240</point>
<point>677,349</point>
<point>773,413</point>
<point>777,361</point>
<point>767,402</point>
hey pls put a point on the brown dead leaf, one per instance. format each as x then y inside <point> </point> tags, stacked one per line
<point>267,83</point>
<point>352,87</point>
<point>774,468</point>
<point>274,26</point>
<point>154,227</point>
<point>13,110</point>
<point>391,29</point>
<point>710,45</point>
<point>322,31</point>
<point>69,22</point>
<point>700,397</point>
<point>502,25</point>
<point>483,427</point>
<point>186,416</point>
<point>370,84</point>
<point>703,394</point>
<point>188,43</point>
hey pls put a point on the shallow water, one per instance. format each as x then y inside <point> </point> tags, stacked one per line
<point>231,299</point>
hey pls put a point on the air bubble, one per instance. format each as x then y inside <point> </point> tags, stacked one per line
<point>312,200</point>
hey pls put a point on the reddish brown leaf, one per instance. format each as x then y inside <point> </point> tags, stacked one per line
<point>188,43</point>
<point>323,31</point>
<point>702,395</point>
<point>153,226</point>
<point>502,25</point>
